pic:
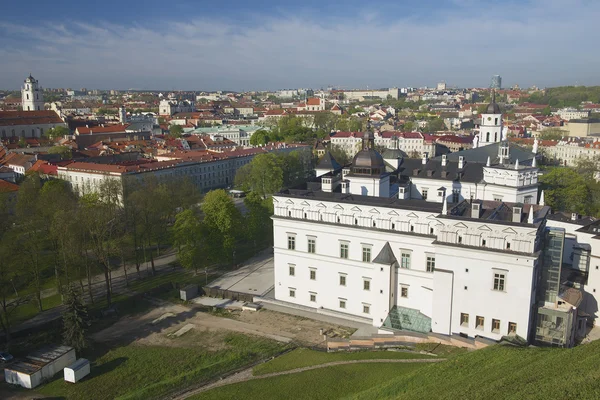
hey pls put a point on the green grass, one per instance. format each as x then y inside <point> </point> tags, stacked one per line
<point>502,372</point>
<point>304,357</point>
<point>30,310</point>
<point>150,372</point>
<point>323,383</point>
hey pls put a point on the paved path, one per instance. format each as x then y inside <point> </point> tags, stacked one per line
<point>162,265</point>
<point>246,375</point>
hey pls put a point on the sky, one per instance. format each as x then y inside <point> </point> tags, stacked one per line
<point>268,45</point>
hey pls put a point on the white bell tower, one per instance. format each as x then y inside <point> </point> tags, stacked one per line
<point>31,95</point>
<point>490,129</point>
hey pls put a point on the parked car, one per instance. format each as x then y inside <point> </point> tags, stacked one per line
<point>5,357</point>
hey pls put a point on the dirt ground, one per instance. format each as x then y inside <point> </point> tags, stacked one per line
<point>157,327</point>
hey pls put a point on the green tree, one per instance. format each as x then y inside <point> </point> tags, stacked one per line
<point>260,137</point>
<point>222,221</point>
<point>187,237</point>
<point>553,134</point>
<point>257,221</point>
<point>22,142</point>
<point>264,175</point>
<point>409,126</point>
<point>325,121</point>
<point>435,124</point>
<point>547,111</point>
<point>64,151</point>
<point>175,131</point>
<point>566,190</point>
<point>57,132</point>
<point>339,154</point>
<point>75,320</point>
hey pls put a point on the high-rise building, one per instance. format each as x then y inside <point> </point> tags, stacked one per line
<point>496,82</point>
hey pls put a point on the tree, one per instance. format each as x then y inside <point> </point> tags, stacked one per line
<point>64,151</point>
<point>566,190</point>
<point>257,221</point>
<point>187,237</point>
<point>588,167</point>
<point>260,137</point>
<point>75,320</point>
<point>325,121</point>
<point>409,126</point>
<point>339,154</point>
<point>175,131</point>
<point>22,142</point>
<point>57,132</point>
<point>264,175</point>
<point>553,134</point>
<point>435,124</point>
<point>547,111</point>
<point>222,221</point>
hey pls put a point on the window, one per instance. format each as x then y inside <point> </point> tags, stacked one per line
<point>455,195</point>
<point>499,281</point>
<point>366,254</point>
<point>464,319</point>
<point>483,242</point>
<point>342,280</point>
<point>495,325</point>
<point>460,239</point>
<point>292,292</point>
<point>512,328</point>
<point>430,263</point>
<point>313,297</point>
<point>479,322</point>
<point>404,291</point>
<point>405,260</point>
<point>292,269</point>
<point>313,274</point>
<point>291,242</point>
<point>344,250</point>
<point>366,309</point>
<point>366,284</point>
<point>508,245</point>
<point>312,244</point>
<point>424,194</point>
<point>342,303</point>
<point>497,198</point>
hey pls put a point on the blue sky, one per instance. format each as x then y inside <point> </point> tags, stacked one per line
<point>253,45</point>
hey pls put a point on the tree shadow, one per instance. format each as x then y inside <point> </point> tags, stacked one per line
<point>102,369</point>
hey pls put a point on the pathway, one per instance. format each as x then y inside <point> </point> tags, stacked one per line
<point>246,375</point>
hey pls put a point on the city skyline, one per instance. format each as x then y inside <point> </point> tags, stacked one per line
<point>266,46</point>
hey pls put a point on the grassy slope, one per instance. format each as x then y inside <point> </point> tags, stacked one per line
<point>149,372</point>
<point>305,357</point>
<point>324,383</point>
<point>502,373</point>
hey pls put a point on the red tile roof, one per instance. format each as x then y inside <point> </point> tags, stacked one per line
<point>15,118</point>
<point>313,101</point>
<point>8,186</point>
<point>82,130</point>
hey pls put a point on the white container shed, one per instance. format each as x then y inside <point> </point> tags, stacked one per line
<point>76,371</point>
<point>39,366</point>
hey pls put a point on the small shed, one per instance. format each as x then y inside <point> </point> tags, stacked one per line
<point>188,292</point>
<point>39,366</point>
<point>76,371</point>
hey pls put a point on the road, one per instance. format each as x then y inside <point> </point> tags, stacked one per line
<point>162,265</point>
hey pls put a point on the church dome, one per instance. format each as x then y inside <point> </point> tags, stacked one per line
<point>493,108</point>
<point>368,161</point>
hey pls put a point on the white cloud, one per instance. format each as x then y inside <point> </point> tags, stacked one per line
<point>543,43</point>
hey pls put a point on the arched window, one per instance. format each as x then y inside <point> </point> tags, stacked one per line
<point>495,136</point>
<point>496,121</point>
<point>13,132</point>
<point>487,137</point>
<point>27,96</point>
<point>27,108</point>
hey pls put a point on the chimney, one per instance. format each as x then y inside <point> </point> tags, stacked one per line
<point>574,217</point>
<point>475,209</point>
<point>516,216</point>
<point>424,159</point>
<point>461,162</point>
<point>444,160</point>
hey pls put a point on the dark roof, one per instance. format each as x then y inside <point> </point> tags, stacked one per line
<point>328,162</point>
<point>481,154</point>
<point>493,108</point>
<point>584,221</point>
<point>393,154</point>
<point>368,158</point>
<point>386,255</point>
<point>471,171</point>
<point>499,211</point>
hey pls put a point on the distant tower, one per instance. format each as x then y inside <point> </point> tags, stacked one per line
<point>490,129</point>
<point>122,115</point>
<point>496,82</point>
<point>31,94</point>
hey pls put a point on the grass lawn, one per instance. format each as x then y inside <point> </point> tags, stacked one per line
<point>304,357</point>
<point>502,372</point>
<point>150,372</point>
<point>324,383</point>
<point>30,310</point>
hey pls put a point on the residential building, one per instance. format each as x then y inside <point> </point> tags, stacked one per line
<point>572,113</point>
<point>408,142</point>
<point>361,95</point>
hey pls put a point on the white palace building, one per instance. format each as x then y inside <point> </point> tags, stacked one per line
<point>452,247</point>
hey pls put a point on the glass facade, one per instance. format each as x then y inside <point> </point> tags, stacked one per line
<point>552,261</point>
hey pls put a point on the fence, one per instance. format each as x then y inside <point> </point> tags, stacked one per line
<point>227,294</point>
